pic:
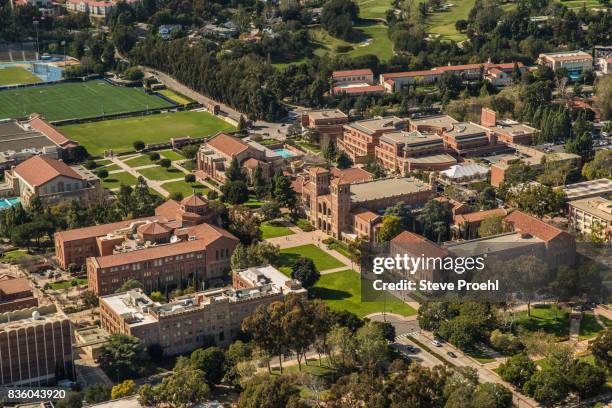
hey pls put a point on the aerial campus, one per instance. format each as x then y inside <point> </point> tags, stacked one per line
<point>317,203</point>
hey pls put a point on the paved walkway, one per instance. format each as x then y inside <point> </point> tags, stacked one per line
<point>154,184</point>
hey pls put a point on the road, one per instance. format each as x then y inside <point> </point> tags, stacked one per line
<point>261,127</point>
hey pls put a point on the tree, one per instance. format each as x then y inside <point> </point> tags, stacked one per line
<point>491,395</point>
<point>124,389</point>
<point>601,348</point>
<point>123,357</point>
<point>73,399</point>
<point>90,299</point>
<point>517,369</point>
<point>235,192</point>
<point>233,172</point>
<point>305,271</point>
<point>461,25</point>
<point>154,156</point>
<point>343,161</point>
<point>165,163</point>
<point>190,151</point>
<point>603,96</point>
<point>585,379</point>
<point>190,178</point>
<point>270,392</point>
<point>157,296</point>
<point>270,210</point>
<point>260,186</point>
<point>526,274</point>
<point>582,146</point>
<point>547,387</point>
<point>129,285</point>
<point>102,173</point>
<point>211,361</point>
<point>240,257</point>
<point>97,393</point>
<point>242,126</point>
<point>435,219</point>
<point>330,153</point>
<point>133,74</point>
<point>600,166</point>
<point>185,387</point>
<point>390,228</point>
<point>244,224</point>
<point>491,226</point>
<point>284,193</point>
<point>506,343</point>
<point>337,17</point>
<point>138,145</point>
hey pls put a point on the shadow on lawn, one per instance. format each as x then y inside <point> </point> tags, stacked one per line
<point>329,294</point>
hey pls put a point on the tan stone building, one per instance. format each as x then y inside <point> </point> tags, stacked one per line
<point>592,216</point>
<point>346,208</point>
<point>191,321</point>
<point>52,181</point>
<point>35,346</point>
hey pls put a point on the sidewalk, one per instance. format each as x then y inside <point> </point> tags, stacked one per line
<point>154,184</point>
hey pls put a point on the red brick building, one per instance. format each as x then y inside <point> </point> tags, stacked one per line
<point>359,139</point>
<point>15,294</point>
<point>327,122</point>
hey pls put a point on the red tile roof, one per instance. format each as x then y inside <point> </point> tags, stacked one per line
<point>229,145</point>
<point>526,223</point>
<point>251,163</point>
<point>416,245</point>
<point>154,228</point>
<point>365,215</point>
<point>479,215</point>
<point>101,230</point>
<point>51,132</point>
<point>194,200</point>
<point>351,175</point>
<point>359,89</point>
<point>39,170</point>
<point>352,72</point>
<point>168,209</point>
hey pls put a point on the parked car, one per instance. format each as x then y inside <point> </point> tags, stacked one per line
<point>410,348</point>
<point>436,343</point>
<point>451,354</point>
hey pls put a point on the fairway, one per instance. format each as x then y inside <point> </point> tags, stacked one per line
<point>119,134</point>
<point>76,100</point>
<point>373,40</point>
<point>374,8</point>
<point>17,76</point>
<point>443,22</point>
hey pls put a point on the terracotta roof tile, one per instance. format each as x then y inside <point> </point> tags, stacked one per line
<point>194,200</point>
<point>154,228</point>
<point>39,170</point>
<point>51,132</point>
<point>351,175</point>
<point>365,215</point>
<point>417,245</point>
<point>101,230</point>
<point>168,209</point>
<point>351,72</point>
<point>229,145</point>
<point>251,163</point>
<point>479,215</point>
<point>531,225</point>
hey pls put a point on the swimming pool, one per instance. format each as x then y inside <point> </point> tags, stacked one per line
<point>8,202</point>
<point>285,154</point>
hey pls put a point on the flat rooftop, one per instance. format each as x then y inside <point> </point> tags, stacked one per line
<point>382,188</point>
<point>30,316</point>
<point>411,138</point>
<point>441,121</point>
<point>590,188</point>
<point>131,304</point>
<point>433,159</point>
<point>491,245</point>
<point>597,206</point>
<point>372,126</point>
<point>16,138</point>
<point>327,114</point>
<point>466,129</point>
<point>513,128</point>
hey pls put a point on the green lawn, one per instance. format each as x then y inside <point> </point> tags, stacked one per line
<point>272,229</point>
<point>342,291</point>
<point>544,318</point>
<point>605,320</point>
<point>443,22</point>
<point>138,161</point>
<point>253,203</point>
<point>17,76</point>
<point>372,39</point>
<point>68,283</point>
<point>119,134</point>
<point>186,189</point>
<point>589,327</point>
<point>374,8</point>
<point>481,357</point>
<point>77,100</point>
<point>160,173</point>
<point>322,259</point>
<point>172,155</point>
<point>173,96</point>
<point>103,162</point>
<point>12,256</point>
<point>115,180</point>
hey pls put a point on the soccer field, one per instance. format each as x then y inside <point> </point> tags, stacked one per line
<point>16,76</point>
<point>76,100</point>
<point>119,134</point>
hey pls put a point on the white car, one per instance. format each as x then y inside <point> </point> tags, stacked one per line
<point>436,343</point>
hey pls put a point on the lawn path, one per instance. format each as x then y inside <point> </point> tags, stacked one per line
<point>316,238</point>
<point>154,184</point>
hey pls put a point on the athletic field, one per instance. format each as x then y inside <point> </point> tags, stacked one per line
<point>17,76</point>
<point>76,100</point>
<point>119,134</point>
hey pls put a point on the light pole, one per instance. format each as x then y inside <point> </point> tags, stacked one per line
<point>36,23</point>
